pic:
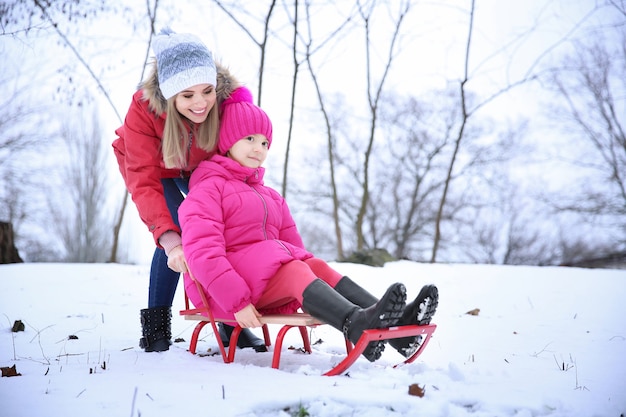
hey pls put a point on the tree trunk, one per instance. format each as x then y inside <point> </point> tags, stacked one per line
<point>8,251</point>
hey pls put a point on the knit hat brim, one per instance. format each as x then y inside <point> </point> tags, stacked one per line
<point>186,79</point>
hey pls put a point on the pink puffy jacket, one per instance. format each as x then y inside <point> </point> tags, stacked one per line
<point>236,234</point>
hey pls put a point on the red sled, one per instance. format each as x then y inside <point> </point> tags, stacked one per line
<point>302,321</point>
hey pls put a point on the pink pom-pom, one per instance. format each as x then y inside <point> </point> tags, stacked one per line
<point>241,94</point>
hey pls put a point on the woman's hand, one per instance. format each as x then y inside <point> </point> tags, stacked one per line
<point>176,260</point>
<point>248,317</point>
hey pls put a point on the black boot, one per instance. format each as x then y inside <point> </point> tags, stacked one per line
<point>246,338</point>
<point>354,293</point>
<point>419,312</point>
<point>156,326</point>
<point>428,297</point>
<point>323,302</point>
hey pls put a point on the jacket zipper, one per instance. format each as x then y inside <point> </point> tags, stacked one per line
<point>265,220</point>
<point>265,210</point>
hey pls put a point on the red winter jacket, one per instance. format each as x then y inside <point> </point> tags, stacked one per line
<point>236,234</point>
<point>138,152</point>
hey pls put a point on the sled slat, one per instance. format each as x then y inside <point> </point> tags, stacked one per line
<point>296,319</point>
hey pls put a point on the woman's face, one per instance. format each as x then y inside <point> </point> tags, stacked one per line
<point>195,102</point>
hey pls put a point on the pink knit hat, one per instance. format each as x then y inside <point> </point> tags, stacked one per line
<point>241,118</point>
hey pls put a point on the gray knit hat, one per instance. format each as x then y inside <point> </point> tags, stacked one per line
<point>182,62</point>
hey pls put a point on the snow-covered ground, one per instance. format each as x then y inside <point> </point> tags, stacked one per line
<point>546,342</point>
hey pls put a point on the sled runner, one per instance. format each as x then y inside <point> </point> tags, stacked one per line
<point>301,321</point>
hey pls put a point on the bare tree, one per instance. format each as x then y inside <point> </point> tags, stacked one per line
<point>53,16</point>
<point>329,123</point>
<point>262,43</point>
<point>79,208</point>
<point>509,228</point>
<point>469,106</point>
<point>14,136</point>
<point>26,133</point>
<point>374,93</point>
<point>409,176</point>
<point>294,81</point>
<point>151,11</point>
<point>592,83</point>
<point>457,143</point>
<point>17,133</point>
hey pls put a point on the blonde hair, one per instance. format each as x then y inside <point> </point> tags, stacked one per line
<point>177,133</point>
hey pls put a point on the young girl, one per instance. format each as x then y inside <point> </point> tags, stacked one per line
<point>243,246</point>
<point>171,126</point>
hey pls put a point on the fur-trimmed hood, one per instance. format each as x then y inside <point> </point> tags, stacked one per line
<point>226,84</point>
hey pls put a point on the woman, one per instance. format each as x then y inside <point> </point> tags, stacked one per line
<point>171,125</point>
<point>243,246</point>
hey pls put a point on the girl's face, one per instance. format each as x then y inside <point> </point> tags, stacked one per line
<point>195,102</point>
<point>250,151</point>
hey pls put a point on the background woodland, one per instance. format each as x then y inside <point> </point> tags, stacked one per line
<point>451,132</point>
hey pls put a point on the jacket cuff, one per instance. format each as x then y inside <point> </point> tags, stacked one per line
<point>169,240</point>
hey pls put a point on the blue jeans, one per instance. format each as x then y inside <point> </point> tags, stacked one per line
<point>163,281</point>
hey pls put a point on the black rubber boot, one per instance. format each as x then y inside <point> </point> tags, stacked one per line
<point>323,302</point>
<point>156,327</point>
<point>419,312</point>
<point>246,338</point>
<point>354,293</point>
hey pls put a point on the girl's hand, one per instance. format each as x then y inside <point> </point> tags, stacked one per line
<point>248,317</point>
<point>176,260</point>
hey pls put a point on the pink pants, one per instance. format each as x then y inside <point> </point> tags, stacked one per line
<point>292,278</point>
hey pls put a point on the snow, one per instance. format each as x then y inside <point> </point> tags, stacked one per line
<point>547,341</point>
